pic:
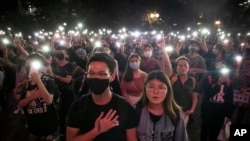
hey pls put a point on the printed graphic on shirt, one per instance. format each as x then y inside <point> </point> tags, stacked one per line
<point>219,97</point>
<point>37,106</point>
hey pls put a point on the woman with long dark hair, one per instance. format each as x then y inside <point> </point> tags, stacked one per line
<point>133,78</point>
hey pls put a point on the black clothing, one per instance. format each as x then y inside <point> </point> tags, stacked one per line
<point>84,112</point>
<point>41,118</point>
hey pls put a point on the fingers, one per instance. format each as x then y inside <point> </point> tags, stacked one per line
<point>107,122</point>
<point>100,116</point>
<point>110,114</point>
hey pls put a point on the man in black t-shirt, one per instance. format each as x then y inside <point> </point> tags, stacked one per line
<point>37,101</point>
<point>101,115</point>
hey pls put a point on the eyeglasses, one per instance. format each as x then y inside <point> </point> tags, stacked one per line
<point>151,88</point>
<point>98,75</point>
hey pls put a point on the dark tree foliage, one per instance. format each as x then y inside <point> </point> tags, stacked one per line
<point>33,14</point>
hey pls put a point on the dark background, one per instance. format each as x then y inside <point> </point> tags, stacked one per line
<point>174,14</point>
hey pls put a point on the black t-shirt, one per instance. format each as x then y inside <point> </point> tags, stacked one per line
<point>41,118</point>
<point>84,112</point>
<point>63,71</point>
<point>183,93</point>
<point>217,99</point>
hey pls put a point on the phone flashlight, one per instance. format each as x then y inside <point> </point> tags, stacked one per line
<point>158,37</point>
<point>225,41</point>
<point>62,42</point>
<point>98,44</point>
<point>169,48</point>
<point>224,71</point>
<point>35,66</point>
<point>46,48</point>
<point>5,41</point>
<point>118,44</point>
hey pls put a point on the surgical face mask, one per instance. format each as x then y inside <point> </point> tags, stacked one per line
<point>148,54</point>
<point>81,53</point>
<point>134,65</point>
<point>215,51</point>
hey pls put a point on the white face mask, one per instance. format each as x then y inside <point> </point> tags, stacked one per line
<point>148,54</point>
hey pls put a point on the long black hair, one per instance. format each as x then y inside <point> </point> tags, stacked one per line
<point>128,74</point>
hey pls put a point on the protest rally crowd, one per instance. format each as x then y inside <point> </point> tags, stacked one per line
<point>78,85</point>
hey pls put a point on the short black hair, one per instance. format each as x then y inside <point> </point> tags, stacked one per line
<point>182,58</point>
<point>103,57</point>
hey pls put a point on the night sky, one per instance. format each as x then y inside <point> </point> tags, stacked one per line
<point>117,13</point>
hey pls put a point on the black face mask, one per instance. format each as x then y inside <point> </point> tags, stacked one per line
<point>59,56</point>
<point>98,86</point>
<point>192,49</point>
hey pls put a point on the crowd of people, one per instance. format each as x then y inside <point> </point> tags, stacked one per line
<point>134,88</point>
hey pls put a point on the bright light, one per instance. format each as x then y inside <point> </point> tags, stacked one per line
<point>136,33</point>
<point>224,71</point>
<point>80,25</point>
<point>62,42</point>
<point>36,34</point>
<point>242,44</point>
<point>65,24</point>
<point>195,34</point>
<point>225,41</point>
<point>152,15</point>
<point>124,29</point>
<point>222,37</point>
<point>217,22</point>
<point>248,34</point>
<point>46,48</point>
<point>238,58</point>
<point>57,35</point>
<point>169,48</point>
<point>5,41</point>
<point>61,28</point>
<point>157,15</point>
<point>36,65</point>
<point>9,28</point>
<point>85,31</point>
<point>153,32</point>
<point>158,36</point>
<point>91,39</point>
<point>118,44</point>
<point>182,37</point>
<point>98,44</point>
<point>29,37</point>
<point>204,31</point>
<point>238,34</point>
<point>188,29</point>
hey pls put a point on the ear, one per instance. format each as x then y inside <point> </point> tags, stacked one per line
<point>112,77</point>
